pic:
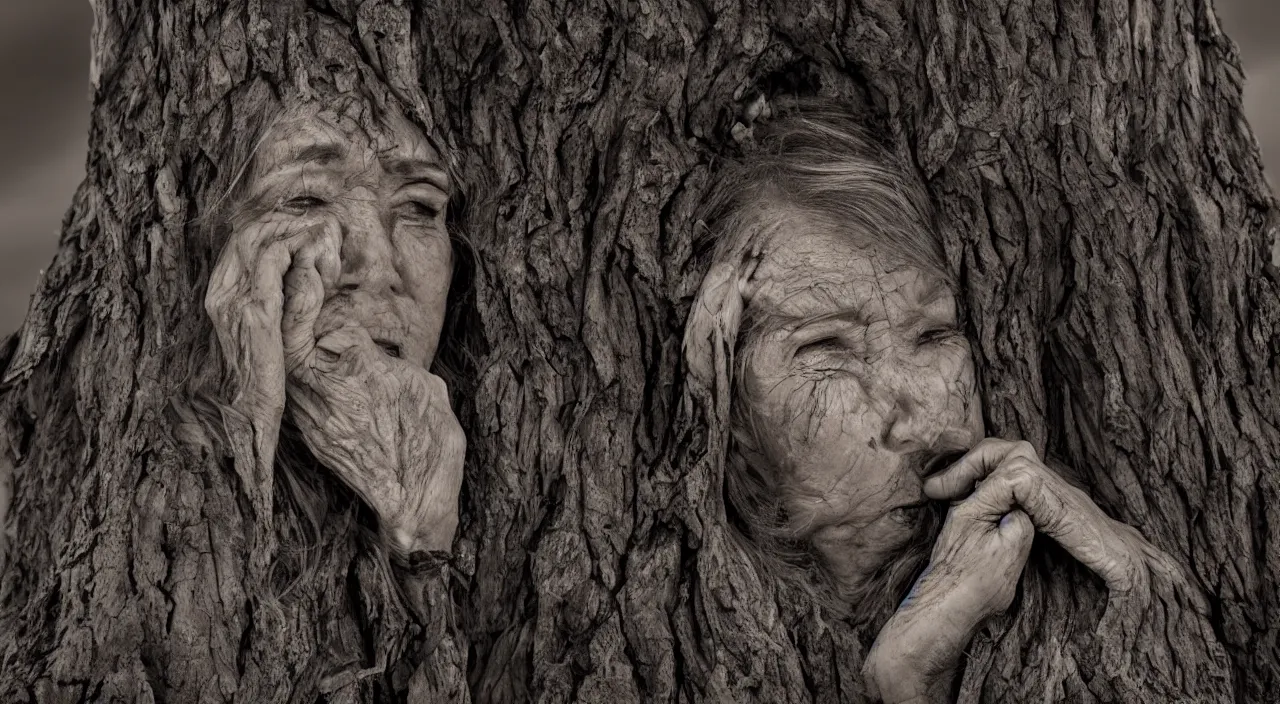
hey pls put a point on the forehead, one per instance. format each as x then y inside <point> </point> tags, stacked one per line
<point>806,271</point>
<point>312,132</point>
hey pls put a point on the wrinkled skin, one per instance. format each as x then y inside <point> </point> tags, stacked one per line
<point>859,381</point>
<point>331,294</point>
<point>862,374</point>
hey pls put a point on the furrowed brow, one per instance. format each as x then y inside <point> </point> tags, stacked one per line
<point>412,170</point>
<point>322,153</point>
<point>854,316</point>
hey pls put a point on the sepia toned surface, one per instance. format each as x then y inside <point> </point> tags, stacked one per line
<point>602,569</point>
<point>44,117</point>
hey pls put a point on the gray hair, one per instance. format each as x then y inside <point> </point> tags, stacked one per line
<point>818,167</point>
<point>820,162</point>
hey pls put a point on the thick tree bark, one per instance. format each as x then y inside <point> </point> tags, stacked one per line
<point>1101,195</point>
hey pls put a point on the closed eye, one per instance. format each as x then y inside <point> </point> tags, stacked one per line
<point>301,204</point>
<point>419,210</point>
<point>934,336</point>
<point>822,345</point>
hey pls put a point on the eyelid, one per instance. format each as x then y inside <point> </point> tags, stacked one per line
<point>424,189</point>
<point>291,204</point>
<point>288,184</point>
<point>808,333</point>
<point>940,332</point>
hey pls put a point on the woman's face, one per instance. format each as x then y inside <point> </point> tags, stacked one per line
<point>386,192</point>
<point>858,377</point>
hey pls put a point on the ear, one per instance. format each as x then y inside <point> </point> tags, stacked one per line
<point>712,328</point>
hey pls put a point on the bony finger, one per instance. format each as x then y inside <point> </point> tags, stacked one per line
<point>960,478</point>
<point>255,238</point>
<point>1017,527</point>
<point>324,246</point>
<point>303,299</point>
<point>1065,514</point>
<point>991,501</point>
<point>1038,492</point>
<point>314,271</point>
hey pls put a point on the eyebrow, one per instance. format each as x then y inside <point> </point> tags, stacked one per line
<point>857,316</point>
<point>417,170</point>
<point>320,152</point>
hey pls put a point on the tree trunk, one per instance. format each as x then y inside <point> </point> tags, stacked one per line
<point>1101,196</point>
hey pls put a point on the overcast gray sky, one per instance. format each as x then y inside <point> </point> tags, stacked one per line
<point>44,121</point>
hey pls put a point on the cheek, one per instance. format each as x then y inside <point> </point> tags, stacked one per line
<point>958,381</point>
<point>959,370</point>
<point>426,269</point>
<point>817,419</point>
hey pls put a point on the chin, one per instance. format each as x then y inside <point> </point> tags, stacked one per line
<point>875,599</point>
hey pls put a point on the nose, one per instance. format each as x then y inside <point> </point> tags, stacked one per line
<point>367,254</point>
<point>926,410</point>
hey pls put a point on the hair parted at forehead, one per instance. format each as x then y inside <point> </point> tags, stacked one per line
<point>820,164</point>
<point>815,167</point>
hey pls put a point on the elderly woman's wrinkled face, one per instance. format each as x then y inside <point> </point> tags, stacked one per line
<point>386,192</point>
<point>858,376</point>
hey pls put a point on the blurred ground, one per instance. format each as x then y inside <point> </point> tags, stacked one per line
<point>44,122</point>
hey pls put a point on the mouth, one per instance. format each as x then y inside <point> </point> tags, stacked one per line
<point>908,515</point>
<point>941,462</point>
<point>392,349</point>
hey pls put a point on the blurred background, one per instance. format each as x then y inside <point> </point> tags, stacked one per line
<point>44,122</point>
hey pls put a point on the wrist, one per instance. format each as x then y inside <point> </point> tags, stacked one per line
<point>402,542</point>
<point>919,650</point>
<point>421,564</point>
<point>898,682</point>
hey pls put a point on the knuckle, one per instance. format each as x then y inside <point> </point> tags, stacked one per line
<point>1023,448</point>
<point>961,515</point>
<point>988,443</point>
<point>1024,475</point>
<point>1022,525</point>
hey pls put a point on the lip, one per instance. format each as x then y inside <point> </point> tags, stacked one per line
<point>907,515</point>
<point>941,462</point>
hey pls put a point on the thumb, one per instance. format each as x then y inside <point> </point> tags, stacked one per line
<point>303,299</point>
<point>1017,526</point>
<point>959,479</point>
<point>314,264</point>
<point>713,321</point>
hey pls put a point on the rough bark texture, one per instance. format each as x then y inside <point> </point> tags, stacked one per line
<point>1101,194</point>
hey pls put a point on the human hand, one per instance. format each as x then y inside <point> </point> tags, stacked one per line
<point>383,425</point>
<point>1010,475</point>
<point>247,304</point>
<point>972,575</point>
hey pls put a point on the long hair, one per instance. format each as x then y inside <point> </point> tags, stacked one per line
<point>308,501</point>
<point>815,167</point>
<point>838,174</point>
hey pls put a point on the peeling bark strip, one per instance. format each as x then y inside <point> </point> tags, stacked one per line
<point>1102,198</point>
